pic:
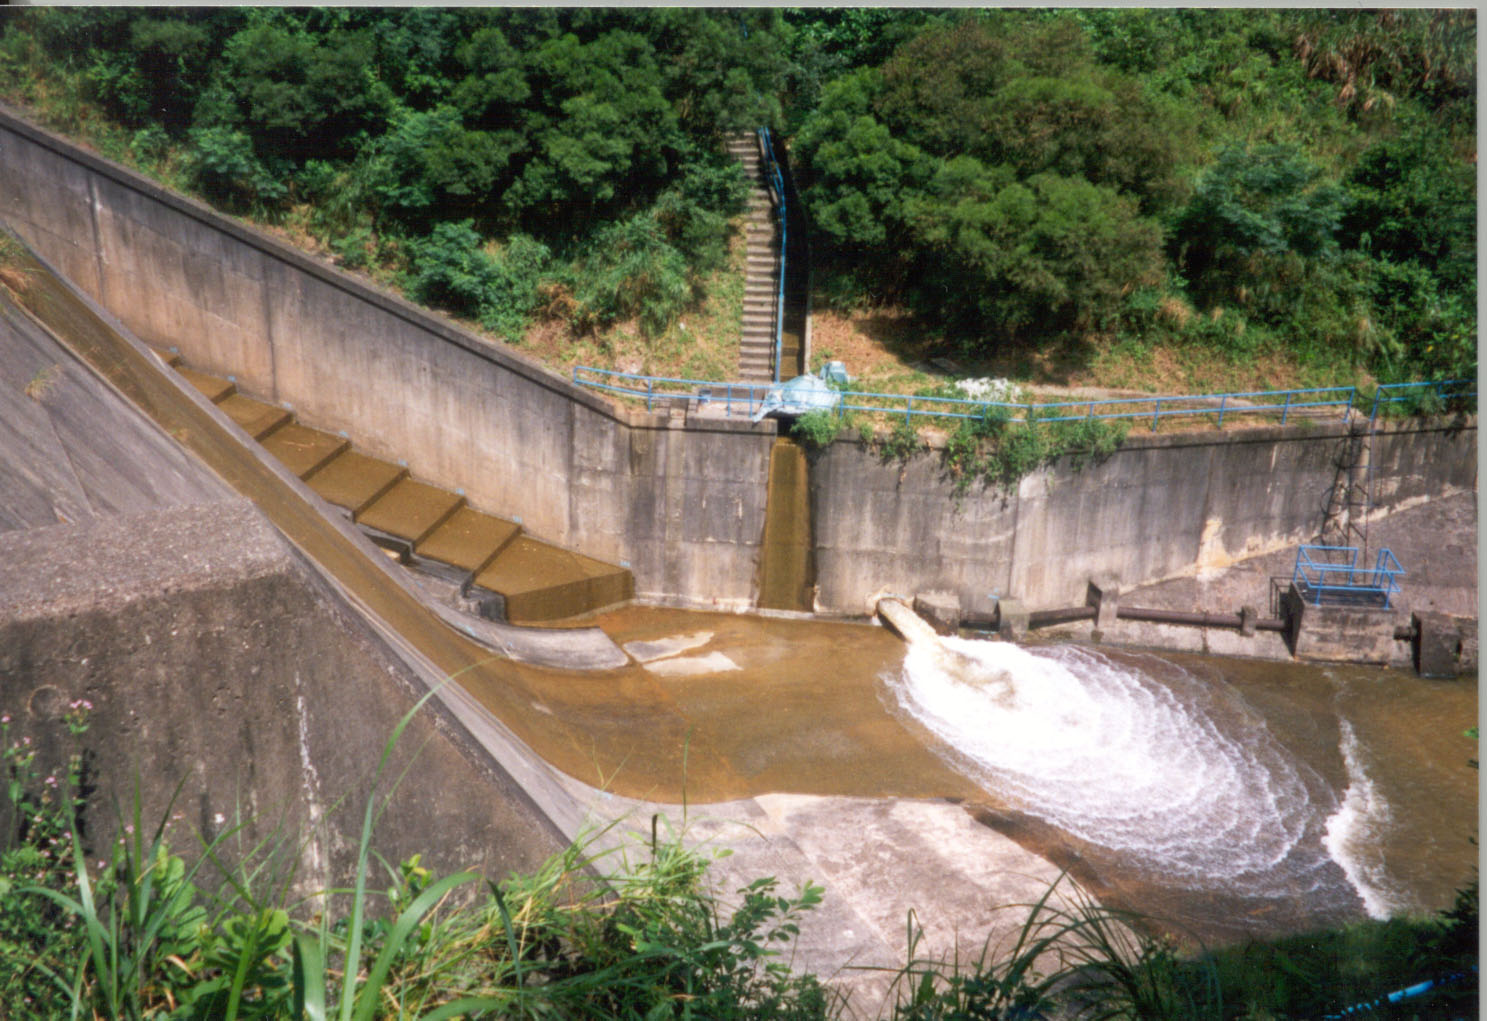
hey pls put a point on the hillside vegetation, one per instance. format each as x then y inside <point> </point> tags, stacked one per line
<point>1288,193</point>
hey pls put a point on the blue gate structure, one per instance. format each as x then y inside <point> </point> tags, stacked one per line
<point>1330,576</point>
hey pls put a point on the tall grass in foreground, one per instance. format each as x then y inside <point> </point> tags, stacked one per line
<point>134,935</point>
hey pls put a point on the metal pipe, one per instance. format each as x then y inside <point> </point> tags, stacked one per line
<point>1047,618</point>
<point>1178,617</point>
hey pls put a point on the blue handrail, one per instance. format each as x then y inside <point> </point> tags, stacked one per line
<point>777,185</point>
<point>744,398</point>
<point>1323,571</point>
<point>1398,393</point>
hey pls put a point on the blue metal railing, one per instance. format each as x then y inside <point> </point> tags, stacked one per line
<point>1444,392</point>
<point>745,398</point>
<point>735,398</point>
<point>1332,571</point>
<point>777,185</point>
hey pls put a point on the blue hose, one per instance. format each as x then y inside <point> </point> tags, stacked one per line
<point>1409,992</point>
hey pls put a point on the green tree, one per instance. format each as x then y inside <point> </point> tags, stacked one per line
<point>1253,214</point>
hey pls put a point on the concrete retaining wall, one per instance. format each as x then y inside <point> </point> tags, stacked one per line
<point>1159,506</point>
<point>215,659</point>
<point>684,510</point>
<point>680,501</point>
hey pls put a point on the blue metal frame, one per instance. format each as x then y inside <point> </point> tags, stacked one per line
<point>1337,573</point>
<point>777,185</point>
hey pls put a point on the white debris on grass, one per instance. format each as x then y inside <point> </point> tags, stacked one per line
<point>996,391</point>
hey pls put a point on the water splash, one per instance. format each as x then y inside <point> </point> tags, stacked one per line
<point>1353,833</point>
<point>1177,774</point>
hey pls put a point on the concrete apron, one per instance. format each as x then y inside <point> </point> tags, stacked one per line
<point>879,858</point>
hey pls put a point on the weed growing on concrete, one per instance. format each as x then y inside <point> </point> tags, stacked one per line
<point>817,430</point>
<point>15,273</point>
<point>995,451</point>
<point>42,383</point>
<point>901,443</point>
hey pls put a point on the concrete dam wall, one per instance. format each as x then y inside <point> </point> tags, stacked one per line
<point>680,501</point>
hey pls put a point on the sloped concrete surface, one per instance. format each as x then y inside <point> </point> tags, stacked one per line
<point>71,448</point>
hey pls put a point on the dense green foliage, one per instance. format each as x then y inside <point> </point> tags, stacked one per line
<point>1266,182</point>
<point>1300,181</point>
<point>499,157</point>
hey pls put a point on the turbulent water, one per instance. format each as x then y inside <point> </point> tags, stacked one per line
<point>1175,774</point>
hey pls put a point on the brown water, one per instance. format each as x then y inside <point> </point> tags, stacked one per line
<point>786,559</point>
<point>756,705</point>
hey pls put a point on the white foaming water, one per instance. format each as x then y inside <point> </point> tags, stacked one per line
<point>1353,830</point>
<point>1176,774</point>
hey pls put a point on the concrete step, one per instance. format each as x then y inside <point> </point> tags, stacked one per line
<point>410,510</point>
<point>355,481</point>
<point>303,450</point>
<point>215,388</point>
<point>469,539</point>
<point>537,581</point>
<point>540,582</point>
<point>256,418</point>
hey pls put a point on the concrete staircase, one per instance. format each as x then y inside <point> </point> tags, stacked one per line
<point>756,348</point>
<point>499,571</point>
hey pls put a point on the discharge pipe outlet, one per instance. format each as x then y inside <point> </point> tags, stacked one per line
<point>903,621</point>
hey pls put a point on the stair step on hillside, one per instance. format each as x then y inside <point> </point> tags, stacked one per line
<point>214,388</point>
<point>303,450</point>
<point>410,510</point>
<point>541,582</point>
<point>469,540</point>
<point>355,481</point>
<point>256,418</point>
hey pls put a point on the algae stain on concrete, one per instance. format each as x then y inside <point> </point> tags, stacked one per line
<point>786,558</point>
